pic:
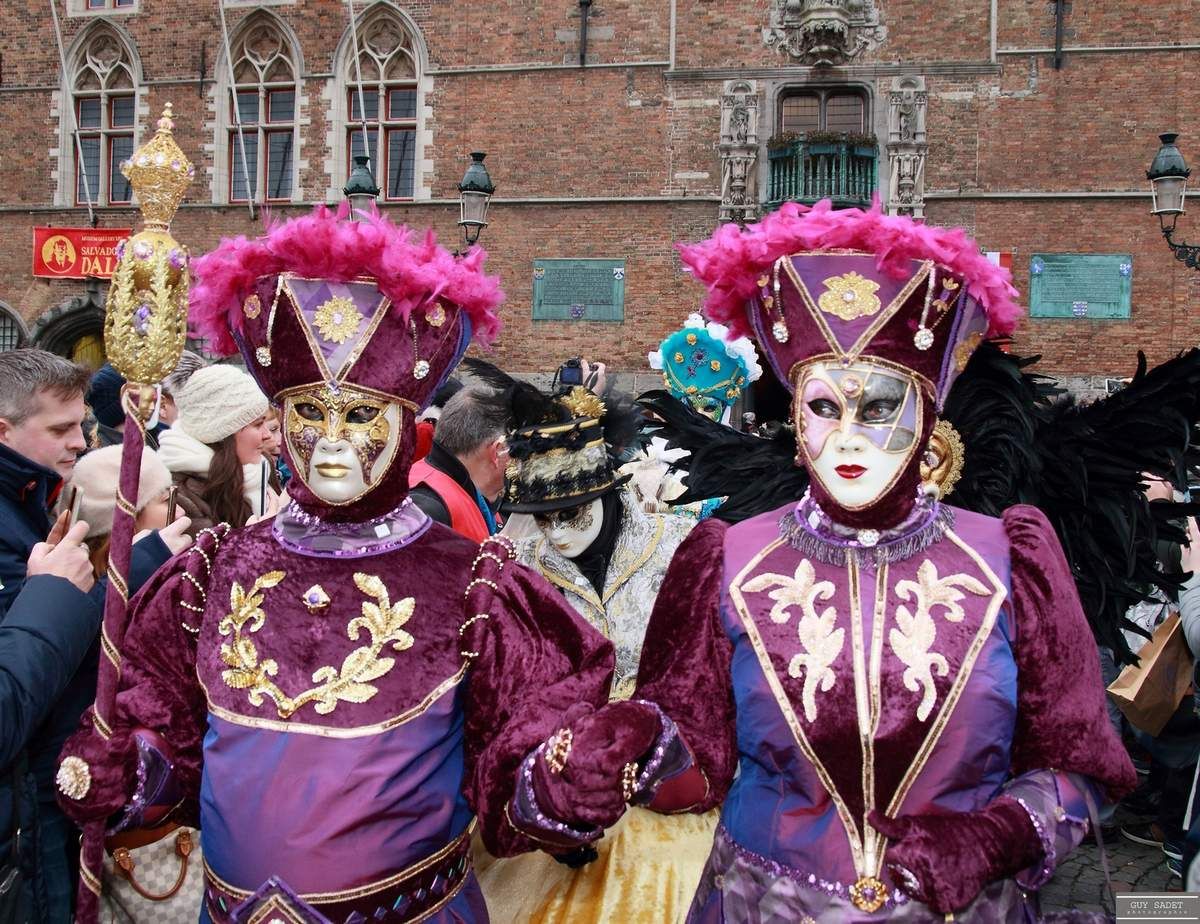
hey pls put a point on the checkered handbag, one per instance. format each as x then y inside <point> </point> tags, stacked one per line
<point>159,883</point>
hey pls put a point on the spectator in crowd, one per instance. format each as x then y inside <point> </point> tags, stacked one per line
<point>1163,797</point>
<point>41,436</point>
<point>104,399</point>
<point>44,638</point>
<point>428,417</point>
<point>215,449</point>
<point>273,450</point>
<point>188,363</point>
<point>461,478</point>
<point>96,476</point>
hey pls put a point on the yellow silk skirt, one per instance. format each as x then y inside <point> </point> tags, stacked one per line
<point>648,871</point>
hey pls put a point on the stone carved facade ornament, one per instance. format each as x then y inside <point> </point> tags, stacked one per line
<point>739,151</point>
<point>824,33</point>
<point>906,146</point>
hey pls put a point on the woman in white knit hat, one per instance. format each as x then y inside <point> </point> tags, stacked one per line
<point>96,475</point>
<point>214,448</point>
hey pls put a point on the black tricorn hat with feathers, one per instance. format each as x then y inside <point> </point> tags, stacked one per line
<point>558,445</point>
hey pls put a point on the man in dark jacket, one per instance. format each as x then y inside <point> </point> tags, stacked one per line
<point>41,435</point>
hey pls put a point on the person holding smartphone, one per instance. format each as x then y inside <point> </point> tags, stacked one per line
<point>49,641</point>
<point>94,485</point>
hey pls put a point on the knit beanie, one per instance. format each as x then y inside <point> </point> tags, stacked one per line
<point>104,396</point>
<point>217,401</point>
<point>97,475</point>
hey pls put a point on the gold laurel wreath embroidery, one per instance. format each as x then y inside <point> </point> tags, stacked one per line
<point>913,638</point>
<point>382,619</point>
<point>821,641</point>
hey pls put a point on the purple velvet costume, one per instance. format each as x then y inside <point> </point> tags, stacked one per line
<point>968,660</point>
<point>365,807</point>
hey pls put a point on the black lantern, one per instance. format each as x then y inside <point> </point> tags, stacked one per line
<point>1168,175</point>
<point>475,192</point>
<point>360,189</point>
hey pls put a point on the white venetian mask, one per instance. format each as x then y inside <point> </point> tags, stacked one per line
<point>573,529</point>
<point>859,426</point>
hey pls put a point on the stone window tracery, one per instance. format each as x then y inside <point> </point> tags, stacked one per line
<point>266,79</point>
<point>386,85</point>
<point>104,104</point>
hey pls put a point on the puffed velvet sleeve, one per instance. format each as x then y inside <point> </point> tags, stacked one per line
<point>158,691</point>
<point>1061,719</point>
<point>533,658</point>
<point>685,667</point>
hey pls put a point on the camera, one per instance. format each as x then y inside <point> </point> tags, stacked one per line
<point>571,372</point>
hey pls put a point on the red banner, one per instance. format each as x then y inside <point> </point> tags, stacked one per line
<point>76,253</point>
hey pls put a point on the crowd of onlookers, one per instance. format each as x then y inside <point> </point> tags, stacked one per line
<point>1162,812</point>
<point>212,455</point>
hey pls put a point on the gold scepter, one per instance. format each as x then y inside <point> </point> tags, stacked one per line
<point>145,327</point>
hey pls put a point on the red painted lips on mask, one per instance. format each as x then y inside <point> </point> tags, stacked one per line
<point>850,471</point>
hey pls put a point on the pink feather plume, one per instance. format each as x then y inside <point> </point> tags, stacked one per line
<point>732,260</point>
<point>410,270</point>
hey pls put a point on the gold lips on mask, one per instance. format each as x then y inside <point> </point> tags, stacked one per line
<point>348,414</point>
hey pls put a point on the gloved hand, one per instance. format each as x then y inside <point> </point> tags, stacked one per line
<point>945,860</point>
<point>587,790</point>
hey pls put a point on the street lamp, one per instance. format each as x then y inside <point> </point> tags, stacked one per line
<point>1168,175</point>
<point>360,188</point>
<point>474,192</point>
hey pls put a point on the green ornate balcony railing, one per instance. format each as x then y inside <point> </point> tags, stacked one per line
<point>841,171</point>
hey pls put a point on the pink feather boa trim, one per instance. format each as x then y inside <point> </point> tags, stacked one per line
<point>732,260</point>
<point>324,245</point>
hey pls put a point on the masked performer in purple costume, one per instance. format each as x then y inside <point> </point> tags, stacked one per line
<point>310,687</point>
<point>909,690</point>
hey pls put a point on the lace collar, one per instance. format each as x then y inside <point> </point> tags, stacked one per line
<point>808,529</point>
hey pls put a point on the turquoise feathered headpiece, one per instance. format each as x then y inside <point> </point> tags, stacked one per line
<point>703,368</point>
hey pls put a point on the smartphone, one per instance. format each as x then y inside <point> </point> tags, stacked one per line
<point>172,503</point>
<point>72,502</point>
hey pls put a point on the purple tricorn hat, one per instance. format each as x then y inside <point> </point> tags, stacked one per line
<point>818,284</point>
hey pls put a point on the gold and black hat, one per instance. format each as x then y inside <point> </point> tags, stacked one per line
<point>562,462</point>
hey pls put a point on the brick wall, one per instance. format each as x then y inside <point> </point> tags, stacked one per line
<point>618,159</point>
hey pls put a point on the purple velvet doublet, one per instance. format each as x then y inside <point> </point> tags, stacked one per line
<point>934,683</point>
<point>329,726</point>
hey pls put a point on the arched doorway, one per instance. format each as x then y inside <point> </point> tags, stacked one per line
<point>75,329</point>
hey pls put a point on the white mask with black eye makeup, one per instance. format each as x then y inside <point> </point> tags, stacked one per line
<point>859,426</point>
<point>343,442</point>
<point>572,530</point>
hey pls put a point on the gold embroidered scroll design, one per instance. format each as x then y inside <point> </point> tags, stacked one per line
<point>821,641</point>
<point>382,619</point>
<point>916,630</point>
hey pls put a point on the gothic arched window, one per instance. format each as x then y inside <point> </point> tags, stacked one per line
<point>389,67</point>
<point>104,97</point>
<point>265,76</point>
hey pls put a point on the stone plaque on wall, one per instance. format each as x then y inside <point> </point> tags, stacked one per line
<point>579,290</point>
<point>1080,285</point>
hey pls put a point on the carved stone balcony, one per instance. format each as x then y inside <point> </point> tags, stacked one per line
<point>804,171</point>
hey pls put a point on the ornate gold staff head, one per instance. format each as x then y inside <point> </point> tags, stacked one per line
<point>145,322</point>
